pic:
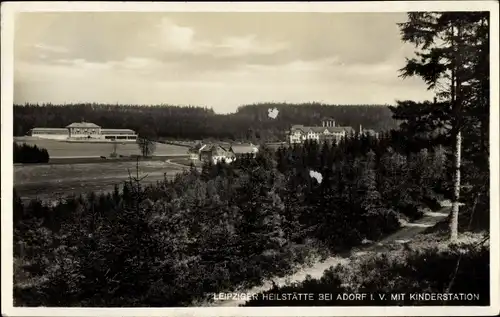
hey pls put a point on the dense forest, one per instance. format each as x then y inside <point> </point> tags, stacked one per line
<point>25,153</point>
<point>250,122</point>
<point>229,225</point>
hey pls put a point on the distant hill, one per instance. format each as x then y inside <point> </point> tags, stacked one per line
<point>249,122</point>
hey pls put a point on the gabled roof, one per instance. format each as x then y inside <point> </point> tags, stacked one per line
<point>327,119</point>
<point>82,125</point>
<point>197,148</point>
<point>213,148</point>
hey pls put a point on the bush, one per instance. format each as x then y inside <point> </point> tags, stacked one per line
<point>26,153</point>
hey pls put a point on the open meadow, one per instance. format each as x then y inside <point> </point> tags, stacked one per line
<point>50,181</point>
<point>62,149</point>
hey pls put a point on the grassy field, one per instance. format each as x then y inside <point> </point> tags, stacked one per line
<point>60,149</point>
<point>52,181</point>
<point>186,161</point>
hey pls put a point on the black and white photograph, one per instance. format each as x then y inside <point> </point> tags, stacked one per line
<point>229,158</point>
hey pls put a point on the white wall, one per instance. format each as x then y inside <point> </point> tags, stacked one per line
<point>216,159</point>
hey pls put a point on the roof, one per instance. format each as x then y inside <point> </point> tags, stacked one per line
<point>105,131</point>
<point>244,148</point>
<point>322,129</point>
<point>369,131</point>
<point>51,129</point>
<point>82,125</point>
<point>197,148</point>
<point>213,148</point>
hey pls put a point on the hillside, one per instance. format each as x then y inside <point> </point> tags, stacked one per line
<point>250,122</point>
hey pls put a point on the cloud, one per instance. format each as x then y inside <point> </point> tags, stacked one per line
<point>247,45</point>
<point>182,39</point>
<point>50,48</point>
<point>176,38</point>
<point>195,58</point>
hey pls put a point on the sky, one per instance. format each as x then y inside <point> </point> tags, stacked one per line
<point>220,60</point>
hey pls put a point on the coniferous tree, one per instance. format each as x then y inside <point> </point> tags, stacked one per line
<point>449,63</point>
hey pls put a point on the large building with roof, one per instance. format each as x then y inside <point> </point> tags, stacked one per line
<point>327,132</point>
<point>83,131</point>
<point>216,152</point>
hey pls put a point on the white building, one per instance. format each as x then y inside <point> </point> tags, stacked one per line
<point>216,153</point>
<point>327,132</point>
<point>83,131</point>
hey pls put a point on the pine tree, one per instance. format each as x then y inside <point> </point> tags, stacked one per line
<point>446,45</point>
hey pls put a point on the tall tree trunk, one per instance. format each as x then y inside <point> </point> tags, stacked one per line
<point>456,186</point>
<point>456,100</point>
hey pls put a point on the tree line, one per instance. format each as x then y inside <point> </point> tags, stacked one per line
<point>230,225</point>
<point>250,122</point>
<point>25,153</point>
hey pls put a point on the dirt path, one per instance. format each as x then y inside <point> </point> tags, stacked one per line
<point>404,235</point>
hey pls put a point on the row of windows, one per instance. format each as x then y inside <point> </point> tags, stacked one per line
<point>317,133</point>
<point>117,132</point>
<point>120,137</point>
<point>85,131</point>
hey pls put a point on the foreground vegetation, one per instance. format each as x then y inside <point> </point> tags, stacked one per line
<point>226,227</point>
<point>430,267</point>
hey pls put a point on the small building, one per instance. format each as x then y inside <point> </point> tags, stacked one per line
<point>369,132</point>
<point>216,153</point>
<point>240,150</point>
<point>194,152</point>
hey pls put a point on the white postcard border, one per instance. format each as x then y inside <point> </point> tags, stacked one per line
<point>7,27</point>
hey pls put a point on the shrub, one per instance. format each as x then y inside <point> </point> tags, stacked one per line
<point>26,153</point>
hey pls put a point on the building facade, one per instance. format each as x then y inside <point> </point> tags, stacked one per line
<point>216,153</point>
<point>328,131</point>
<point>240,150</point>
<point>83,131</point>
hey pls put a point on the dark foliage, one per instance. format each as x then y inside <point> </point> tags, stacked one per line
<point>250,122</point>
<point>26,153</point>
<point>210,231</point>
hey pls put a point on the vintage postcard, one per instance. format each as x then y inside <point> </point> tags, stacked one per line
<point>250,159</point>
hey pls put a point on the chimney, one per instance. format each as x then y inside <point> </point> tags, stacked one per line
<point>360,129</point>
